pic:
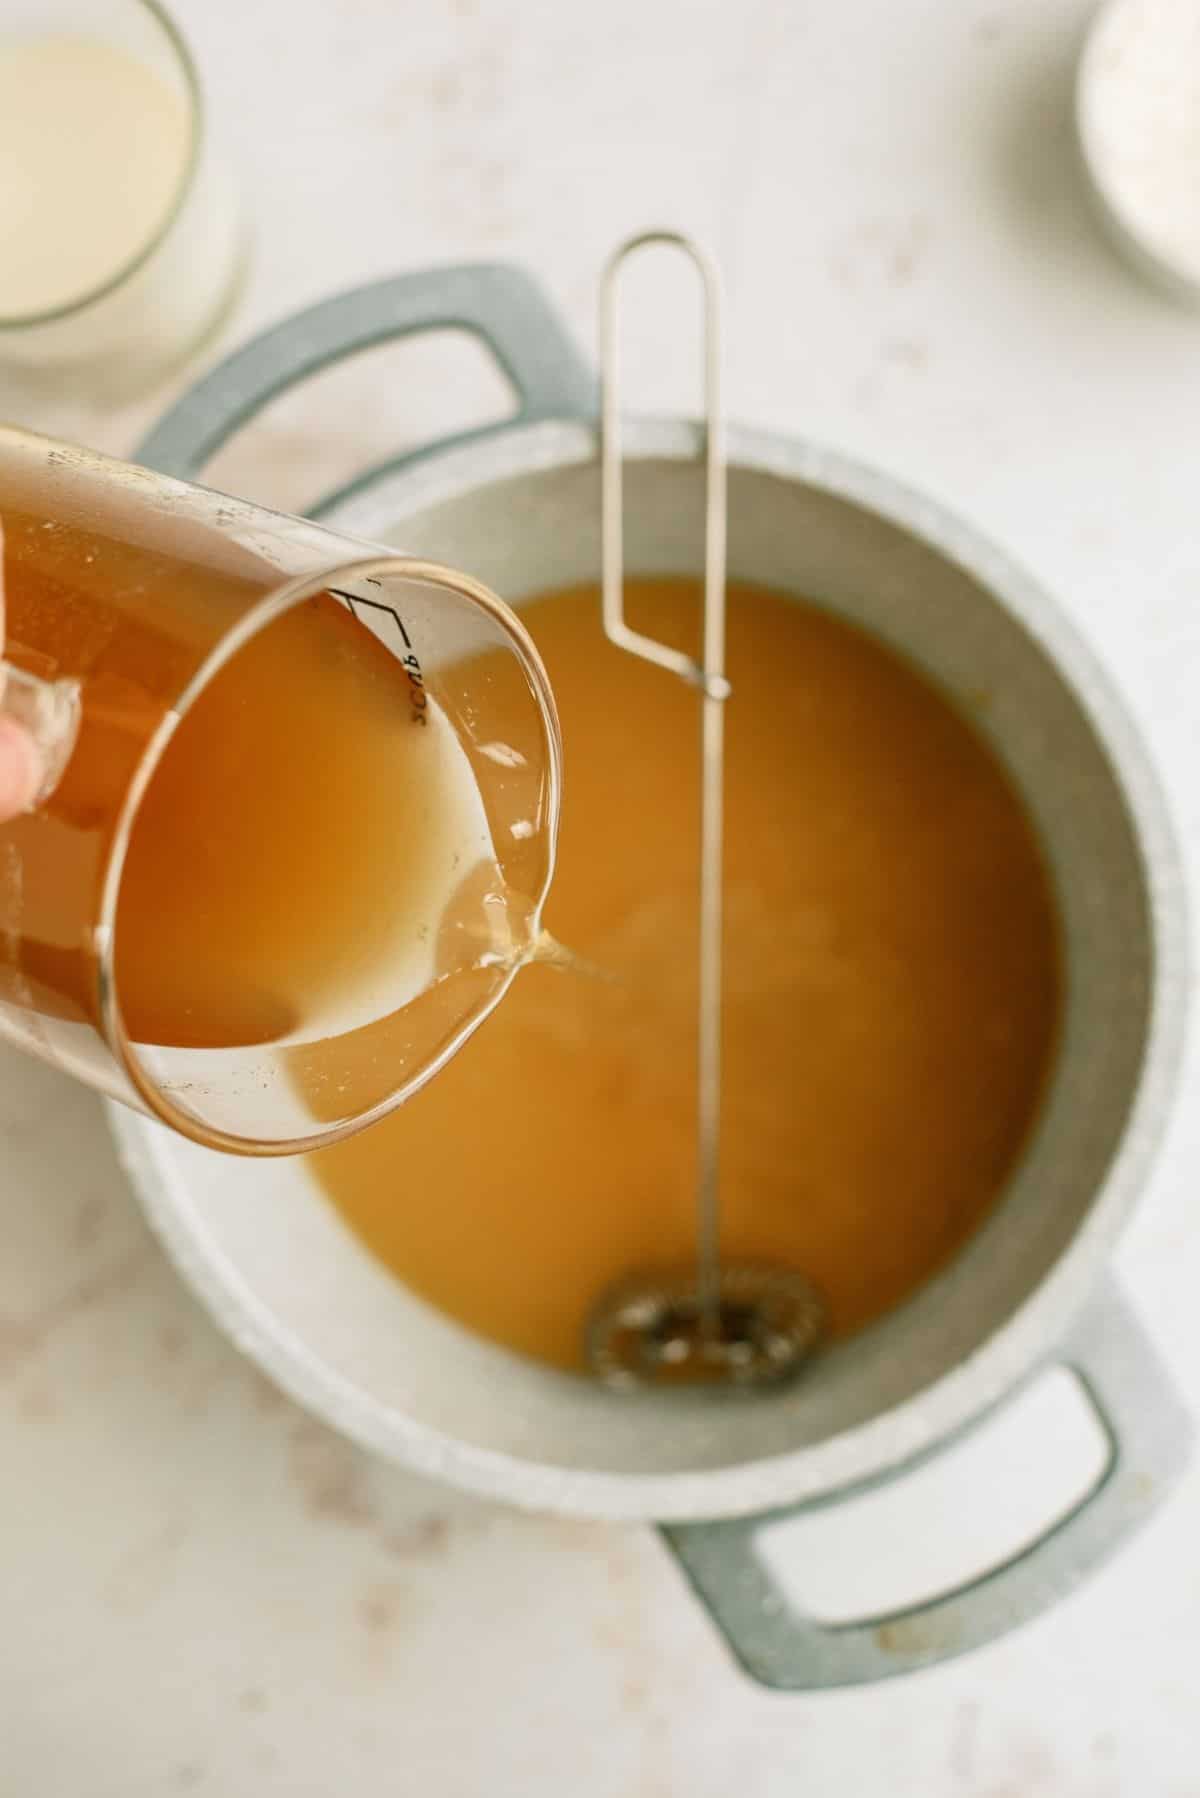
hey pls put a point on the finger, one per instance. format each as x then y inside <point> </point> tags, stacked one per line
<point>20,769</point>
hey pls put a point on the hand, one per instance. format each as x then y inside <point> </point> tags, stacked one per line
<point>20,769</point>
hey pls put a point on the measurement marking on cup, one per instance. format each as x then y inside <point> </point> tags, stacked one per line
<point>410,663</point>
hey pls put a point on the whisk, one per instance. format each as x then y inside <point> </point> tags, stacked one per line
<point>740,1323</point>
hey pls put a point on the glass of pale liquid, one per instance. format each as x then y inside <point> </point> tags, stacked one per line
<point>121,233</point>
<point>299,808</point>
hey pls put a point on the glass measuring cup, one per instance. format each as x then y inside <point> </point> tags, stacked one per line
<point>262,988</point>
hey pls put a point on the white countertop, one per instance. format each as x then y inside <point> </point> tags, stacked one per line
<point>205,1591</point>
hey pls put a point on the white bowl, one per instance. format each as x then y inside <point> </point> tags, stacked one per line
<point>1137,116</point>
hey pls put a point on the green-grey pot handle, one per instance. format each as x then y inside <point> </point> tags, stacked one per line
<point>496,302</point>
<point>1149,1435</point>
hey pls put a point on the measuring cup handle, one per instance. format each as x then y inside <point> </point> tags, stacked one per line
<point>498,303</point>
<point>1149,1435</point>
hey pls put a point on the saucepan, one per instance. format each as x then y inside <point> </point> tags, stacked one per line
<point>518,505</point>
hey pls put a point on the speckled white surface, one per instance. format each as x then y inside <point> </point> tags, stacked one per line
<point>204,1591</point>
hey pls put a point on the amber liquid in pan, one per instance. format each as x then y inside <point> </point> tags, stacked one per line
<point>891,993</point>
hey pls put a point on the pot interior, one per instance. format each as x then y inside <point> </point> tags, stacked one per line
<point>276,1259</point>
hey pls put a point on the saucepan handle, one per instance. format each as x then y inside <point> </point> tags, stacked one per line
<point>498,303</point>
<point>1149,1435</point>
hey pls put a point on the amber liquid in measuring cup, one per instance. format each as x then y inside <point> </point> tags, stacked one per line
<point>892,989</point>
<point>313,825</point>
